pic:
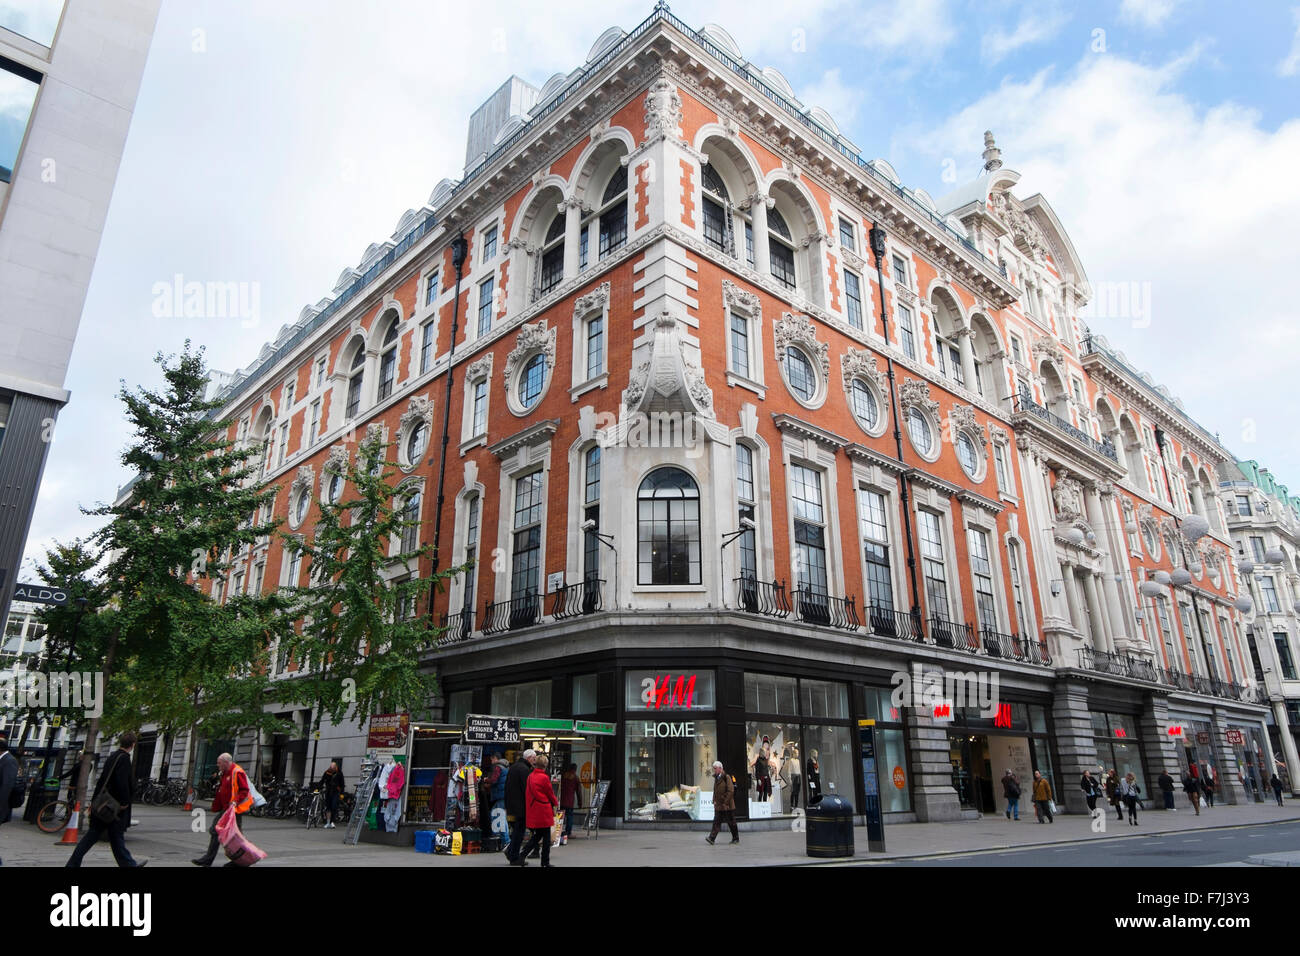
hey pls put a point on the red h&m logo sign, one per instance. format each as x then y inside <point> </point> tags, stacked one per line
<point>662,694</point>
<point>1175,731</point>
<point>1121,732</point>
<point>1003,719</point>
<point>943,710</point>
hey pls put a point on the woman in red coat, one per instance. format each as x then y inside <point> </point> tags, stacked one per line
<point>539,812</point>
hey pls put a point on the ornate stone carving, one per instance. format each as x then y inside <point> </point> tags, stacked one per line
<point>962,418</point>
<point>636,385</point>
<point>998,435</point>
<point>376,432</point>
<point>698,388</point>
<point>915,393</point>
<point>859,363</point>
<point>419,409</point>
<point>304,479</point>
<point>479,368</point>
<point>799,330</point>
<point>594,301</point>
<point>1067,498</point>
<point>663,112</point>
<point>336,461</point>
<point>1024,231</point>
<point>737,299</point>
<point>1046,348</point>
<point>530,339</point>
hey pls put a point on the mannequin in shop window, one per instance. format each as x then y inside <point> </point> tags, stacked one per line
<point>763,770</point>
<point>792,774</point>
<point>814,779</point>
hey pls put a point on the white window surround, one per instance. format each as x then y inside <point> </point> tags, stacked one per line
<point>336,465</point>
<point>798,331</point>
<point>480,370</point>
<point>593,305</point>
<point>524,460</point>
<point>961,421</point>
<point>1000,440</point>
<point>1026,591</point>
<point>287,563</point>
<point>797,449</point>
<point>401,493</point>
<point>915,394</point>
<point>883,482</point>
<point>532,339</point>
<point>748,306</point>
<point>424,307</point>
<point>764,550</point>
<point>860,365</point>
<point>977,519</point>
<point>419,411</point>
<point>460,543</point>
<point>926,497</point>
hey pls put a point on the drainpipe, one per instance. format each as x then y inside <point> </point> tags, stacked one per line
<point>877,237</point>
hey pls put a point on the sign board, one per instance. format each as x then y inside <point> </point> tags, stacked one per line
<point>1234,737</point>
<point>592,727</point>
<point>598,796</point>
<point>40,594</point>
<point>545,724</point>
<point>389,731</point>
<point>482,729</point>
<point>1202,736</point>
<point>900,778</point>
<point>872,808</point>
<point>554,582</point>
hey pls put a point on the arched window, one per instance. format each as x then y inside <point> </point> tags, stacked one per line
<point>717,215</point>
<point>416,442</point>
<point>865,408</point>
<point>356,376</point>
<point>668,528</point>
<point>918,429</point>
<point>967,454</point>
<point>799,373</point>
<point>613,213</point>
<point>388,362</point>
<point>531,381</point>
<point>552,262</point>
<point>781,249</point>
<point>410,513</point>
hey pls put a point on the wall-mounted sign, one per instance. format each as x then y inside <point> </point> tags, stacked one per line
<point>900,779</point>
<point>669,690</point>
<point>1235,737</point>
<point>664,729</point>
<point>1202,736</point>
<point>1003,718</point>
<point>40,594</point>
<point>1121,732</point>
<point>593,727</point>
<point>1176,731</point>
<point>388,731</point>
<point>482,729</point>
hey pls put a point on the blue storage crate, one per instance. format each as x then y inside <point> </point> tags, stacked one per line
<point>424,840</point>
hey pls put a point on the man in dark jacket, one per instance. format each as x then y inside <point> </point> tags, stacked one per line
<point>516,790</point>
<point>1166,784</point>
<point>8,778</point>
<point>724,804</point>
<point>117,779</point>
<point>1011,792</point>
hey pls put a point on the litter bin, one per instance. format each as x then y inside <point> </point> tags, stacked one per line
<point>38,796</point>
<point>828,827</point>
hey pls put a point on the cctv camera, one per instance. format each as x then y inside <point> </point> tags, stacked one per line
<point>589,524</point>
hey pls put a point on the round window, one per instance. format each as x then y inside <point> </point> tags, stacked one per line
<point>865,409</point>
<point>416,443</point>
<point>967,455</point>
<point>918,429</point>
<point>301,504</point>
<point>531,380</point>
<point>799,373</point>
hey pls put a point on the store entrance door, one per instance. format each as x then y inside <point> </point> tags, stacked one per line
<point>972,771</point>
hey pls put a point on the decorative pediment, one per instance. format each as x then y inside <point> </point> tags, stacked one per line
<point>736,299</point>
<point>799,330</point>
<point>479,368</point>
<point>998,435</point>
<point>376,432</point>
<point>1046,348</point>
<point>531,338</point>
<point>962,418</point>
<point>419,409</point>
<point>336,460</point>
<point>672,379</point>
<point>594,301</point>
<point>915,393</point>
<point>302,481</point>
<point>859,363</point>
<point>663,112</point>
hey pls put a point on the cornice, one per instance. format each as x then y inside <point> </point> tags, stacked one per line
<point>872,457</point>
<point>797,426</point>
<point>538,433</point>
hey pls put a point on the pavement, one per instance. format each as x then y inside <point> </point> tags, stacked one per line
<point>168,836</point>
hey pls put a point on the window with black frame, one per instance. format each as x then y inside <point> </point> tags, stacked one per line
<point>613,213</point>
<point>810,544</point>
<point>780,249</point>
<point>717,212</point>
<point>525,572</point>
<point>551,266</point>
<point>745,499</point>
<point>668,533</point>
<point>388,362</point>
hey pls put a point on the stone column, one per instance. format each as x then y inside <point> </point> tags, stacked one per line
<point>1101,506</point>
<point>758,206</point>
<point>1072,596</point>
<point>1159,751</point>
<point>1230,786</point>
<point>1288,744</point>
<point>1096,629</point>
<point>933,798</point>
<point>967,352</point>
<point>572,209</point>
<point>1074,743</point>
<point>1099,588</point>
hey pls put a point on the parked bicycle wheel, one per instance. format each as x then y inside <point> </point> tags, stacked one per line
<point>54,816</point>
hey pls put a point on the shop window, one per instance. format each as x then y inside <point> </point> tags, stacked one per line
<point>820,698</point>
<point>669,769</point>
<point>458,705</point>
<point>584,694</point>
<point>876,703</point>
<point>769,694</point>
<point>895,789</point>
<point>1284,659</point>
<point>523,700</point>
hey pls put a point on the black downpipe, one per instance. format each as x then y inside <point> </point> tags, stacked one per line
<point>877,237</point>
<point>459,250</point>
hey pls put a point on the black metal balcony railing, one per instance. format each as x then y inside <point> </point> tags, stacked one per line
<point>459,627</point>
<point>1142,670</point>
<point>816,607</point>
<point>521,611</point>
<point>761,597</point>
<point>575,600</point>
<point>953,634</point>
<point>1024,403</point>
<point>997,644</point>
<point>1036,652</point>
<point>1119,665</point>
<point>887,622</point>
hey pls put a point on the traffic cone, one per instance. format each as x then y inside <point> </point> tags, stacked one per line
<point>189,800</point>
<point>70,835</point>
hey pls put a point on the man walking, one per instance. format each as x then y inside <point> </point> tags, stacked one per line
<point>724,804</point>
<point>516,802</point>
<point>1042,797</point>
<point>1011,790</point>
<point>8,778</point>
<point>116,780</point>
<point>1276,783</point>
<point>1166,783</point>
<point>232,789</point>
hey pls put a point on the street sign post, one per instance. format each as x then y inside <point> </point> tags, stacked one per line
<point>872,808</point>
<point>40,594</point>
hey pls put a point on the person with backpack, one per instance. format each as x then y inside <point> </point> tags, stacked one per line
<point>231,790</point>
<point>1011,790</point>
<point>110,808</point>
<point>493,793</point>
<point>11,790</point>
<point>724,804</point>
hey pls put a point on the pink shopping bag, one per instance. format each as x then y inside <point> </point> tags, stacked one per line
<point>237,846</point>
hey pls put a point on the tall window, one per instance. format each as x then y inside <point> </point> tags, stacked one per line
<point>490,243</point>
<point>551,265</point>
<point>426,347</point>
<point>313,430</point>
<point>478,423</point>
<point>740,345</point>
<point>284,443</point>
<point>745,510</point>
<point>1000,466</point>
<point>295,564</point>
<point>1243,506</point>
<point>485,305</point>
<point>949,357</point>
<point>668,532</point>
<point>388,362</point>
<point>1284,659</point>
<point>1257,545</point>
<point>799,373</point>
<point>809,530</point>
<point>525,572</point>
<point>591,512</point>
<point>900,271</point>
<point>932,565</point>
<point>853,299</point>
<point>781,249</point>
<point>1269,591</point>
<point>918,429</point>
<point>906,335</point>
<point>1017,588</point>
<point>863,401</point>
<point>357,375</point>
<point>1207,640</point>
<point>613,213</point>
<point>982,576</point>
<point>595,345</point>
<point>875,544</point>
<point>848,239</point>
<point>410,539</point>
<point>431,288</point>
<point>531,381</point>
<point>717,216</point>
<point>416,442</point>
<point>288,397</point>
<point>471,553</point>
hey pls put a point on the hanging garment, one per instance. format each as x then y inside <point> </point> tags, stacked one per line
<point>396,781</point>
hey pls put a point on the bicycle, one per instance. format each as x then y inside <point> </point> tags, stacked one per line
<point>54,816</point>
<point>316,809</point>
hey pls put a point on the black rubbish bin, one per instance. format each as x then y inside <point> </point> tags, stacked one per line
<point>37,797</point>
<point>829,827</point>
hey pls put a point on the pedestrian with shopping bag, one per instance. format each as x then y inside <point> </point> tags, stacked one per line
<point>1042,797</point>
<point>540,812</point>
<point>230,803</point>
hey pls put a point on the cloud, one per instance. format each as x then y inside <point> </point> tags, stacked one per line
<point>832,95</point>
<point>908,27</point>
<point>1200,203</point>
<point>996,44</point>
<point>1291,65</point>
<point>1150,13</point>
